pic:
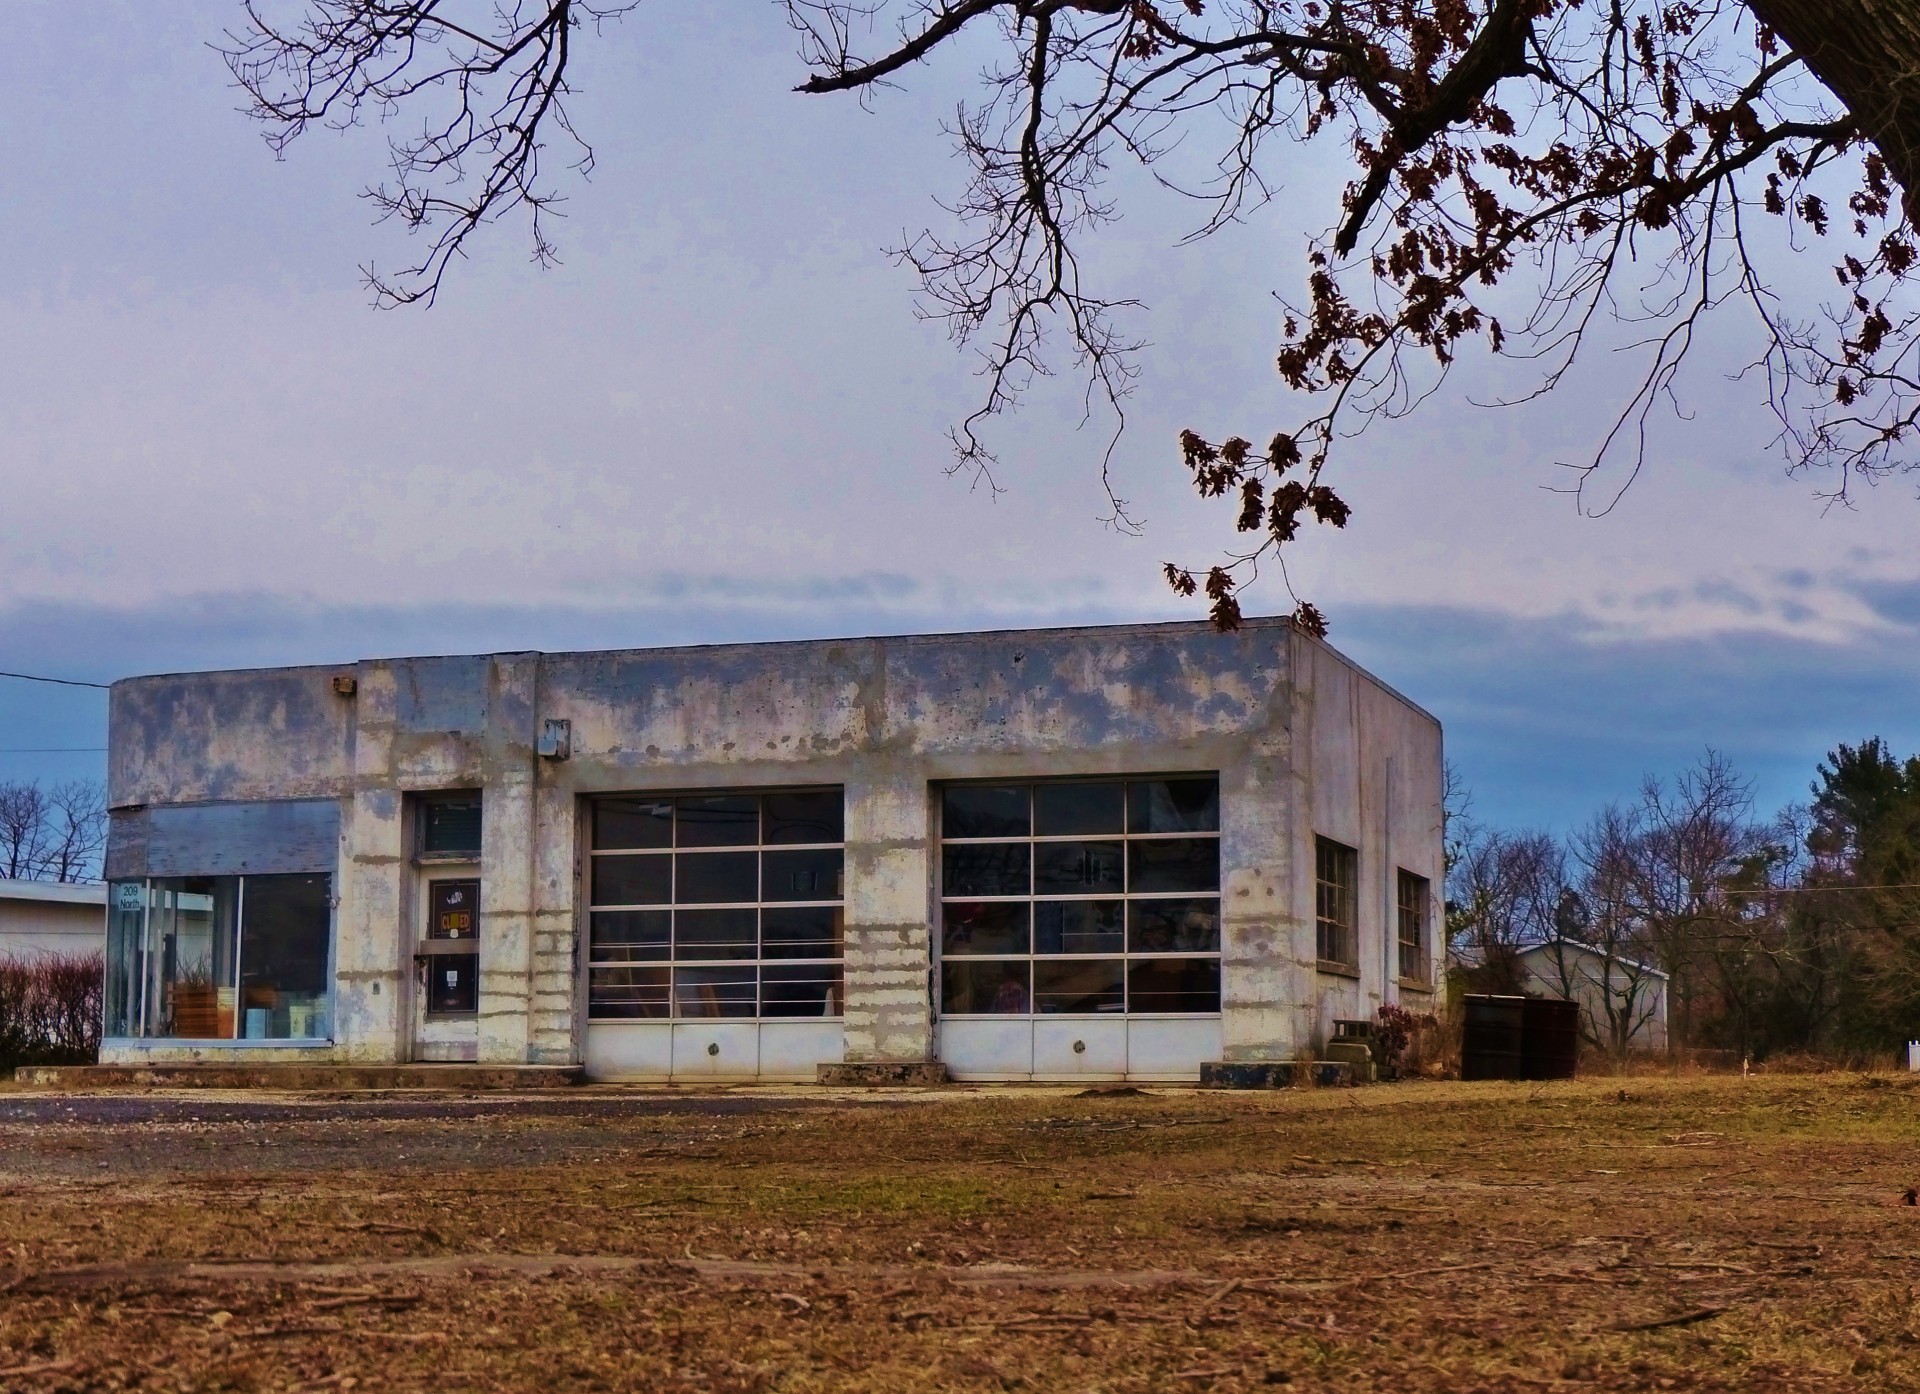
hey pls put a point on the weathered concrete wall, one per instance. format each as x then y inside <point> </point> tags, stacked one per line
<point>885,718</point>
<point>1367,772</point>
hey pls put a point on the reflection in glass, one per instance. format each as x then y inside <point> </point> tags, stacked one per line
<point>1078,927</point>
<point>801,931</point>
<point>630,936</point>
<point>800,989</point>
<point>723,820</point>
<point>979,987</point>
<point>714,992</point>
<point>813,815</point>
<point>642,880</point>
<point>992,927</point>
<point>626,993</point>
<point>1076,810</point>
<point>1174,864</point>
<point>284,933</point>
<point>715,933</point>
<point>985,868</point>
<point>716,878</point>
<point>453,984</point>
<point>809,875</point>
<point>1174,984</point>
<point>1079,985</point>
<point>620,824</point>
<point>1173,806</point>
<point>1174,926</point>
<point>984,810</point>
<point>1078,868</point>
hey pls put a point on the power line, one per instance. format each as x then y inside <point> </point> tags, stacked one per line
<point>63,682</point>
<point>53,750</point>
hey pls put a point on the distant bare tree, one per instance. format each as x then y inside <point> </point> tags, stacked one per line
<point>1601,938</point>
<point>52,834</point>
<point>1502,889</point>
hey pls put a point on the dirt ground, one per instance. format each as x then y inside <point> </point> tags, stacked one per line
<point>1698,1234</point>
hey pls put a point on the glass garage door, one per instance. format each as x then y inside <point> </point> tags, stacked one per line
<point>716,934</point>
<point>1079,927</point>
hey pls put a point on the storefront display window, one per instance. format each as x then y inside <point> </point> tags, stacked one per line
<point>213,958</point>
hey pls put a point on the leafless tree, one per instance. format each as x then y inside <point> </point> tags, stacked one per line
<point>1502,891</point>
<point>1526,171</point>
<point>51,834</point>
<point>1602,955</point>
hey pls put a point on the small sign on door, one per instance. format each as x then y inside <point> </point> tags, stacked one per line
<point>456,910</point>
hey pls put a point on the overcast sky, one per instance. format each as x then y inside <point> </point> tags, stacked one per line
<point>719,419</point>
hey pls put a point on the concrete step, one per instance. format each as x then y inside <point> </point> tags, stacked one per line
<point>460,1077</point>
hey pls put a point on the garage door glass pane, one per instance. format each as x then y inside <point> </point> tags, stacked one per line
<point>1174,864</point>
<point>712,992</point>
<point>741,917</point>
<point>986,868</point>
<point>716,878</point>
<point>992,927</point>
<point>630,936</point>
<point>806,816</point>
<point>633,880</point>
<point>979,987</point>
<point>1174,926</point>
<point>1174,984</point>
<point>1173,806</point>
<point>810,875</point>
<point>984,810</point>
<point>800,989</point>
<point>719,821</point>
<point>1079,927</point>
<point>623,994</point>
<point>1078,868</point>
<point>1076,810</point>
<point>706,934</point>
<point>1079,985</point>
<point>632,823</point>
<point>800,931</point>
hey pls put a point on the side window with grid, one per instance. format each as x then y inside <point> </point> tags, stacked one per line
<point>1336,871</point>
<point>716,905</point>
<point>1413,900</point>
<point>1090,896</point>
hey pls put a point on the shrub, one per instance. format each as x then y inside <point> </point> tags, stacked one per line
<point>50,1010</point>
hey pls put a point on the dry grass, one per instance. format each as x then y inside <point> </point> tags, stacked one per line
<point>1694,1233</point>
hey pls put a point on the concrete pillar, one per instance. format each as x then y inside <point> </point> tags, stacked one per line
<point>889,952</point>
<point>507,860</point>
<point>1263,980</point>
<point>372,1008</point>
<point>554,985</point>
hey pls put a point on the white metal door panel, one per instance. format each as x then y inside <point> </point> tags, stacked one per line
<point>716,1050</point>
<point>792,1049</point>
<point>987,1048</point>
<point>629,1050</point>
<point>1077,1047</point>
<point>1171,1048</point>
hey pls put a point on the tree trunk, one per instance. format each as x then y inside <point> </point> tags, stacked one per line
<point>1867,53</point>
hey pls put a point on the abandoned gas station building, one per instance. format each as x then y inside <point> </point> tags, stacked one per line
<point>1116,852</point>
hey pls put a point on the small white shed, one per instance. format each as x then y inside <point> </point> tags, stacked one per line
<point>1614,992</point>
<point>50,917</point>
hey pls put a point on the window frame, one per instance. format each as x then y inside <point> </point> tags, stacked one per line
<point>1418,912</point>
<point>1126,956</point>
<point>425,799</point>
<point>759,961</point>
<point>1343,930</point>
